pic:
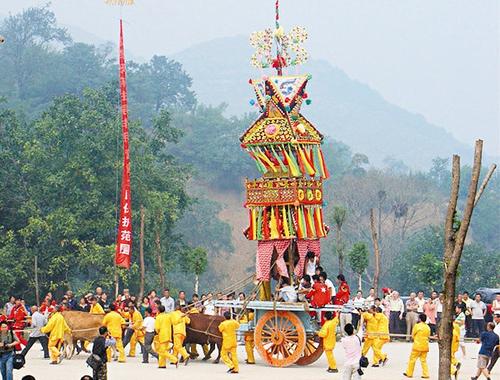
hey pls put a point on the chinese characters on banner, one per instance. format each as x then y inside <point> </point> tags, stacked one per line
<point>124,238</point>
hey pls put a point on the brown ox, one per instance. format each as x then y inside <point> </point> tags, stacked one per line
<point>204,329</point>
<point>84,327</point>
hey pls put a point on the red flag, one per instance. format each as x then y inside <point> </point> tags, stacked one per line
<point>124,238</point>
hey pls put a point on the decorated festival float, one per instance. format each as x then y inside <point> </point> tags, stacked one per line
<point>285,205</point>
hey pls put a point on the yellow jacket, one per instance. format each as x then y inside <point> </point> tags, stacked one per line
<point>179,322</point>
<point>228,329</point>
<point>114,322</point>
<point>163,327</point>
<point>421,333</point>
<point>96,309</point>
<point>247,317</point>
<point>329,333</point>
<point>57,327</point>
<point>371,324</point>
<point>382,326</point>
<point>136,319</point>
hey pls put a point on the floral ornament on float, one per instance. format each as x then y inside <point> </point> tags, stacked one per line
<point>290,51</point>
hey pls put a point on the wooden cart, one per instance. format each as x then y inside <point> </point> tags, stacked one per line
<point>284,333</point>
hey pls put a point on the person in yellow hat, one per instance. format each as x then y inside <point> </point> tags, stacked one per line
<point>56,327</point>
<point>163,328</point>
<point>329,334</point>
<point>179,322</point>
<point>420,334</point>
<point>115,322</point>
<point>247,317</point>
<point>228,328</point>
<point>383,337</point>
<point>371,333</point>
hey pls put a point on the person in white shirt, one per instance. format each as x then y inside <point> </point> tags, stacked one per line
<point>167,301</point>
<point>359,303</point>
<point>495,305</point>
<point>352,348</point>
<point>496,351</point>
<point>148,326</point>
<point>478,311</point>
<point>208,305</point>
<point>287,293</point>
<point>370,300</point>
<point>311,263</point>
<point>421,302</point>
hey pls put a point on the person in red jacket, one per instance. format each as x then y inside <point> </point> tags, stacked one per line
<point>18,315</point>
<point>343,292</point>
<point>319,293</point>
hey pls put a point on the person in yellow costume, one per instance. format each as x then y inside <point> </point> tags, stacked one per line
<point>247,317</point>
<point>371,333</point>
<point>163,328</point>
<point>179,322</point>
<point>56,327</point>
<point>114,322</point>
<point>135,323</point>
<point>420,334</point>
<point>95,307</point>
<point>383,337</point>
<point>228,353</point>
<point>329,334</point>
<point>455,343</point>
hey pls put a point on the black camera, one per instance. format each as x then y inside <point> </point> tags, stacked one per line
<point>360,372</point>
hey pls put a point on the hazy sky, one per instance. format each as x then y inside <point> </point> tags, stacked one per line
<point>436,58</point>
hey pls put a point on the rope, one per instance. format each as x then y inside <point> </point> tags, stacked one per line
<point>203,332</point>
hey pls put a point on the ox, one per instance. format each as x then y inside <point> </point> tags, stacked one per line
<point>204,329</point>
<point>84,327</point>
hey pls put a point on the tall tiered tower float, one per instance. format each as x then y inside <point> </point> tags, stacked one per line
<point>285,205</point>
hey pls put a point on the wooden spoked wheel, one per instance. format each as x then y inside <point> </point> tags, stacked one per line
<point>280,338</point>
<point>312,351</point>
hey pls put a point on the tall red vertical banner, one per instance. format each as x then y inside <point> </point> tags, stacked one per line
<point>124,238</point>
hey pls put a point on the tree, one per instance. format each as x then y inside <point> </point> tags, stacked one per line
<point>376,250</point>
<point>358,260</point>
<point>339,217</point>
<point>195,261</point>
<point>29,33</point>
<point>454,240</point>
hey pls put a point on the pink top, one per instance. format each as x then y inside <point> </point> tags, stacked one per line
<point>352,348</point>
<point>430,312</point>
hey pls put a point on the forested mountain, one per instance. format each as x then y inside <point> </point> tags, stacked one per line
<point>60,160</point>
<point>342,108</point>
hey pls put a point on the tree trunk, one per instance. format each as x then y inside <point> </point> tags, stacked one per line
<point>376,251</point>
<point>340,250</point>
<point>359,282</point>
<point>37,290</point>
<point>453,246</point>
<point>159,259</point>
<point>141,256</point>
<point>196,283</point>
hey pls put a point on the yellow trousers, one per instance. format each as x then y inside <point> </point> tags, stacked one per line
<point>371,343</point>
<point>249,346</point>
<point>178,346</point>
<point>133,343</point>
<point>454,360</point>
<point>119,348</point>
<point>379,356</point>
<point>332,363</point>
<point>230,357</point>
<point>54,350</point>
<point>163,350</point>
<point>423,361</point>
